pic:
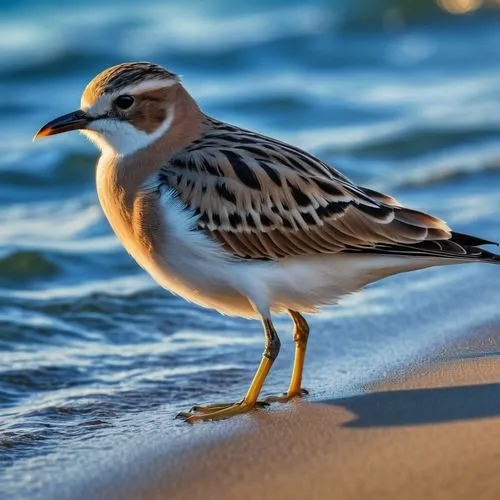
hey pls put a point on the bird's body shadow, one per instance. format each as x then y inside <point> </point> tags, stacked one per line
<point>421,406</point>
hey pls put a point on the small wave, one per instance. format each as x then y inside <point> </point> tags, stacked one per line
<point>52,167</point>
<point>71,226</point>
<point>226,31</point>
<point>43,378</point>
<point>448,166</point>
<point>393,14</point>
<point>120,286</point>
<point>27,265</point>
<point>443,176</point>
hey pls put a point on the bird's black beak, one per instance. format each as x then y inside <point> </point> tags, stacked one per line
<point>76,120</point>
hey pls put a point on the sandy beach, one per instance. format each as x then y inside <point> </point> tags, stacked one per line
<point>433,432</point>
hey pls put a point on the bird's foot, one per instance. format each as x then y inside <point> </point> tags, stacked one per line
<point>286,397</point>
<point>219,411</point>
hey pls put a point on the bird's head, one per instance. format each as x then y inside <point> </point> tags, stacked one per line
<point>123,109</point>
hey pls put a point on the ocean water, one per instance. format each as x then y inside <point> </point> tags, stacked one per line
<point>400,95</point>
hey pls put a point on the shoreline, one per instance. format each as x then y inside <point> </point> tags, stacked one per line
<point>430,432</point>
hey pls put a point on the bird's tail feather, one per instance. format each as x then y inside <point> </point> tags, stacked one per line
<point>458,247</point>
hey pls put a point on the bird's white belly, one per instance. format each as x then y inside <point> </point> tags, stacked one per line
<point>197,268</point>
<point>303,284</point>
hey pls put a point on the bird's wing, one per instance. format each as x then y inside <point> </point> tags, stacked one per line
<point>262,199</point>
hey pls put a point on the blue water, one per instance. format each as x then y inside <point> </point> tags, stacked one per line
<point>399,95</point>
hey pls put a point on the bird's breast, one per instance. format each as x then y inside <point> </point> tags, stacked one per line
<point>131,211</point>
<point>158,233</point>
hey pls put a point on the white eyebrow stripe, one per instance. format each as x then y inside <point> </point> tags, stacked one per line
<point>135,88</point>
<point>148,85</point>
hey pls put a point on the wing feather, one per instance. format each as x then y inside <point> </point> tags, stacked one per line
<point>263,199</point>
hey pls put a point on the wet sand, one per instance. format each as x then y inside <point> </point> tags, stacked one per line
<point>431,433</point>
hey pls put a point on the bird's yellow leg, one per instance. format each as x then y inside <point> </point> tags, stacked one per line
<point>221,411</point>
<point>300,336</point>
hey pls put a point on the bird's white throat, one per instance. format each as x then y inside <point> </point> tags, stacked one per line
<point>120,137</point>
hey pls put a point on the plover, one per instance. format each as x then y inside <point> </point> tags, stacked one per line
<point>239,222</point>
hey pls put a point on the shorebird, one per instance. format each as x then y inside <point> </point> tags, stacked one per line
<point>239,222</point>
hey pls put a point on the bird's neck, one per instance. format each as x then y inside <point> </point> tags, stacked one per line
<point>129,173</point>
<point>122,180</point>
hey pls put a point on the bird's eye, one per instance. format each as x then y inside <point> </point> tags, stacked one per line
<point>124,101</point>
